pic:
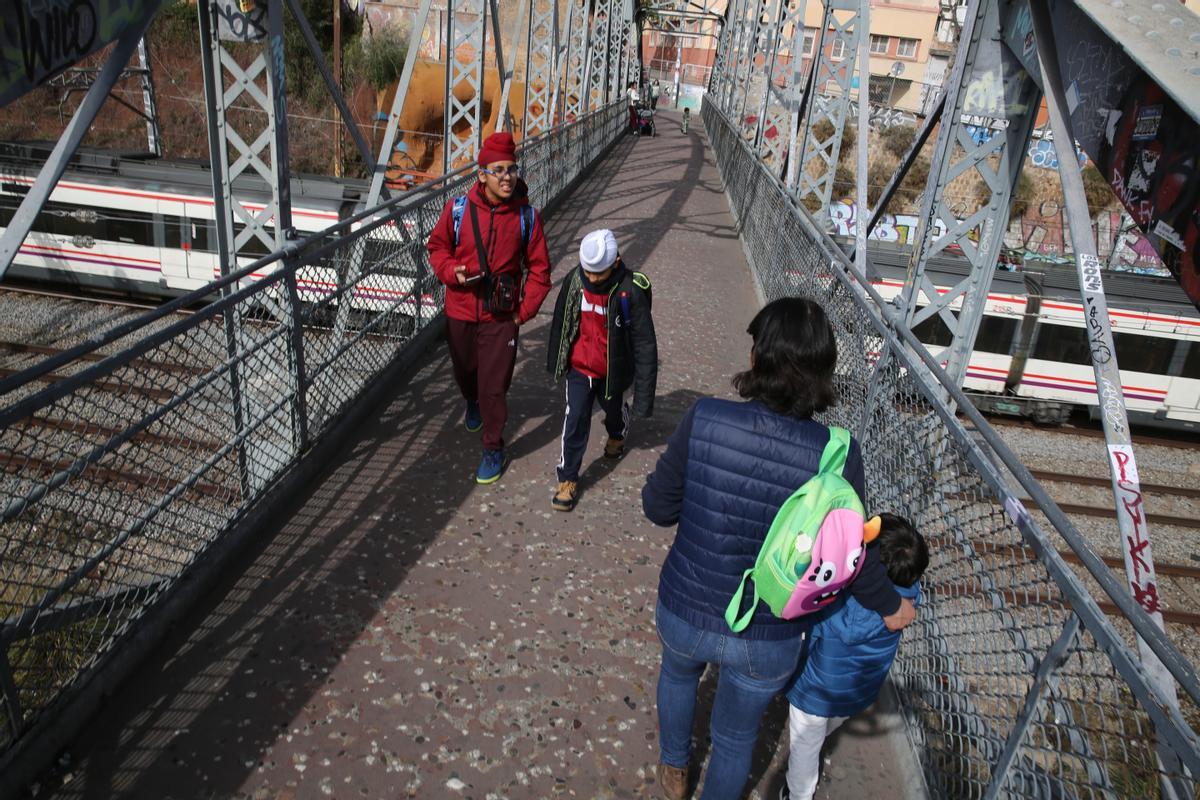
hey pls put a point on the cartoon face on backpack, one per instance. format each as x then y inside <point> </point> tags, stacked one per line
<point>814,547</point>
<point>834,561</point>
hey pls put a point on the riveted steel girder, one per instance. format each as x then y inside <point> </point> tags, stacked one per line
<point>833,77</point>
<point>575,89</point>
<point>466,38</point>
<point>597,77</point>
<point>990,111</point>
<point>540,56</point>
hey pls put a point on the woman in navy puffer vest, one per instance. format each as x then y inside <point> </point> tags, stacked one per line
<point>727,469</point>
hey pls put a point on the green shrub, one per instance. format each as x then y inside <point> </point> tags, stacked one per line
<point>897,139</point>
<point>378,60</point>
<point>1097,190</point>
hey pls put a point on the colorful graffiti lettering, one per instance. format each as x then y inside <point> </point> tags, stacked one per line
<point>1038,235</point>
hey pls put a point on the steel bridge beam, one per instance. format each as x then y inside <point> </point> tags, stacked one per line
<point>821,149</point>
<point>990,111</point>
<point>466,30</point>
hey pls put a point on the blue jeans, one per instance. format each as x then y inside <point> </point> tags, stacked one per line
<point>752,673</point>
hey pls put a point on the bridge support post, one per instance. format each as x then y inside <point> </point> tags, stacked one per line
<point>540,55</point>
<point>822,148</point>
<point>990,110</point>
<point>270,441</point>
<point>466,29</point>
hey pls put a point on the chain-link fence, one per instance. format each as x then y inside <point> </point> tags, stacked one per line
<point>1012,681</point>
<point>128,459</point>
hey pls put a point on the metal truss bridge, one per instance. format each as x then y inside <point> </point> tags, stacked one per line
<point>1014,683</point>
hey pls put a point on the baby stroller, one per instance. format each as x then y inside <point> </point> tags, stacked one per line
<point>645,122</point>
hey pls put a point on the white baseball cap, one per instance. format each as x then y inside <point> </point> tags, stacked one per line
<point>598,251</point>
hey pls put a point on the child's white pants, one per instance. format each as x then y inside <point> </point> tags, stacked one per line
<point>808,733</point>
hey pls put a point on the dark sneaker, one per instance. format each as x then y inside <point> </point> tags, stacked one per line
<point>491,466</point>
<point>564,498</point>
<point>614,447</point>
<point>473,419</point>
<point>672,782</point>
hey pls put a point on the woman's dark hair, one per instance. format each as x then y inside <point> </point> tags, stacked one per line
<point>902,550</point>
<point>794,354</point>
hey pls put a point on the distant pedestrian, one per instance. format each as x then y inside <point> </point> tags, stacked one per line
<point>850,654</point>
<point>602,341</point>
<point>687,118</point>
<point>725,473</point>
<point>655,91</point>
<point>635,99</point>
<point>490,252</point>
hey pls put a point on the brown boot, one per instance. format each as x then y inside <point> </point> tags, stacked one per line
<point>614,447</point>
<point>564,498</point>
<point>673,782</point>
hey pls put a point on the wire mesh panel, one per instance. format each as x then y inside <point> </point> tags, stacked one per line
<point>124,459</point>
<point>1012,681</point>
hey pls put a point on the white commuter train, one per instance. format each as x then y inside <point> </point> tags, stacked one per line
<point>1032,356</point>
<point>147,228</point>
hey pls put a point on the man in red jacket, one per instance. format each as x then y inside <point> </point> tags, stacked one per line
<point>492,257</point>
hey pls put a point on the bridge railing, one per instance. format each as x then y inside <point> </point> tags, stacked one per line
<point>131,462</point>
<point>1012,681</point>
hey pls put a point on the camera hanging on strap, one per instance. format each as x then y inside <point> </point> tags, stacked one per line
<point>499,291</point>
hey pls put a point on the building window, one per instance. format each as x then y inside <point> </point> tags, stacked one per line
<point>838,50</point>
<point>907,48</point>
<point>879,44</point>
<point>809,37</point>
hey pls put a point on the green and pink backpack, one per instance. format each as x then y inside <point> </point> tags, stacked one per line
<point>814,547</point>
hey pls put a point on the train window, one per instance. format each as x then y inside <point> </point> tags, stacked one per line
<point>8,207</point>
<point>129,227</point>
<point>204,236</point>
<point>172,231</point>
<point>1144,353</point>
<point>996,335</point>
<point>1062,343</point>
<point>933,331</point>
<point>1191,363</point>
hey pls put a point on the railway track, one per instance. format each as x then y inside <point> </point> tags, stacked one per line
<point>1152,489</point>
<point>99,299</point>
<point>1179,440</point>
<point>1018,553</point>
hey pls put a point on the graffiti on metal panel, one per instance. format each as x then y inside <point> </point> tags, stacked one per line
<point>1152,161</point>
<point>236,24</point>
<point>1112,404</point>
<point>1097,330</point>
<point>1143,143</point>
<point>1137,544</point>
<point>40,38</point>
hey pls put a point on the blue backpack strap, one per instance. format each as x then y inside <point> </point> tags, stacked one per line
<point>456,213</point>
<point>528,217</point>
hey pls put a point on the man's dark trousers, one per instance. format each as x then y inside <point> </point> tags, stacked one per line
<point>582,391</point>
<point>483,354</point>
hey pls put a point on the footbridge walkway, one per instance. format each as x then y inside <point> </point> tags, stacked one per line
<point>396,630</point>
<point>241,550</point>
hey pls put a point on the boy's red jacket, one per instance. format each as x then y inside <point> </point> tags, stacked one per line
<point>500,227</point>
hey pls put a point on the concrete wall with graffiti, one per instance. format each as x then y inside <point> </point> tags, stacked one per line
<point>1036,236</point>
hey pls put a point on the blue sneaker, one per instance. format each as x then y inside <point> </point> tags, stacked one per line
<point>473,419</point>
<point>491,466</point>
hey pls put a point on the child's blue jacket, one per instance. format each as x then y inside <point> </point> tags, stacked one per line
<point>849,656</point>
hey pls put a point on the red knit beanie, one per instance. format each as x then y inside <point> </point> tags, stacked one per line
<point>497,147</point>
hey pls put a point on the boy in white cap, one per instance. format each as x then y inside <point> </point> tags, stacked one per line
<point>602,341</point>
